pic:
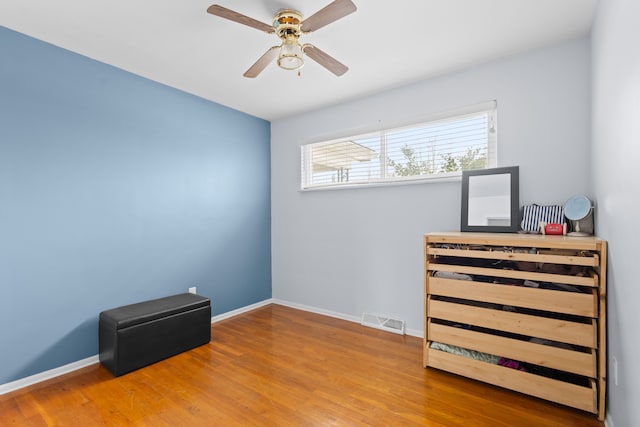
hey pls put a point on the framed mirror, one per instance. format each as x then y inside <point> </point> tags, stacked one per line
<point>490,200</point>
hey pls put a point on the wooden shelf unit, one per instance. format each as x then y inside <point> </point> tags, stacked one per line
<point>536,300</point>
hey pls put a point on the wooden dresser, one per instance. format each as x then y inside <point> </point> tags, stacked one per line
<point>525,312</point>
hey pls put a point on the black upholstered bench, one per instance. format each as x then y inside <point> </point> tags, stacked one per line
<point>138,335</point>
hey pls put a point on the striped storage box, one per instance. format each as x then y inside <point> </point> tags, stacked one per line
<point>532,215</point>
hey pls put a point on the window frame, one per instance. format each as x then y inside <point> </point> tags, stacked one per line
<point>489,107</point>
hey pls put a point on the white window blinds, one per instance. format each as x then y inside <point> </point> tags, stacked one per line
<point>438,148</point>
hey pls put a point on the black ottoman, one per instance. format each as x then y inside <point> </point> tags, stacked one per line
<point>138,335</point>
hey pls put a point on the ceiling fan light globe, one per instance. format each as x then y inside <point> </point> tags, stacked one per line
<point>291,57</point>
<point>290,63</point>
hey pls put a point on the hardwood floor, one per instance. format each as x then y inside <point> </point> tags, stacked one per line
<point>277,366</point>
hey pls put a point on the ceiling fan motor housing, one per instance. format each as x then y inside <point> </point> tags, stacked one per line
<point>287,23</point>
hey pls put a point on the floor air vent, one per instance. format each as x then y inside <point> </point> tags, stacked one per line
<point>381,322</point>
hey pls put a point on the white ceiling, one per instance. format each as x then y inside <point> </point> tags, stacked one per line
<point>385,43</point>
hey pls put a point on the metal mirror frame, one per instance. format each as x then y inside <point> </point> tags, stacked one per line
<point>513,227</point>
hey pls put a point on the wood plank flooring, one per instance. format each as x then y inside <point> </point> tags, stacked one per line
<point>277,366</point>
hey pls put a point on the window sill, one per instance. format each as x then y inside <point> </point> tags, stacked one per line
<point>454,177</point>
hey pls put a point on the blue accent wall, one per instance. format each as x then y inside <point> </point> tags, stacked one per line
<point>115,189</point>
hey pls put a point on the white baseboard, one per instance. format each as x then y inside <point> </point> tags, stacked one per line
<point>317,310</point>
<point>418,333</point>
<point>607,421</point>
<point>356,319</point>
<point>47,375</point>
<point>241,310</point>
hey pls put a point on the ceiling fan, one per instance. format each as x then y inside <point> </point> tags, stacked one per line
<point>289,25</point>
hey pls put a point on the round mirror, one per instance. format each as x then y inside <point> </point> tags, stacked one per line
<point>577,208</point>
<point>578,211</point>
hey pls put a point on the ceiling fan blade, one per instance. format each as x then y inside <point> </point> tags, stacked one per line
<point>262,62</point>
<point>325,60</point>
<point>223,12</point>
<point>328,14</point>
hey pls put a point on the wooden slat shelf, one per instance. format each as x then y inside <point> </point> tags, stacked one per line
<point>581,397</point>
<point>578,304</point>
<point>557,335</point>
<point>578,363</point>
<point>587,261</point>
<point>515,274</point>
<point>518,240</point>
<point>582,334</point>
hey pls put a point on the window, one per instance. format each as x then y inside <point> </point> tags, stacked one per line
<point>439,148</point>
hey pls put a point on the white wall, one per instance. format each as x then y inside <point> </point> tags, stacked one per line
<point>356,250</point>
<point>616,152</point>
